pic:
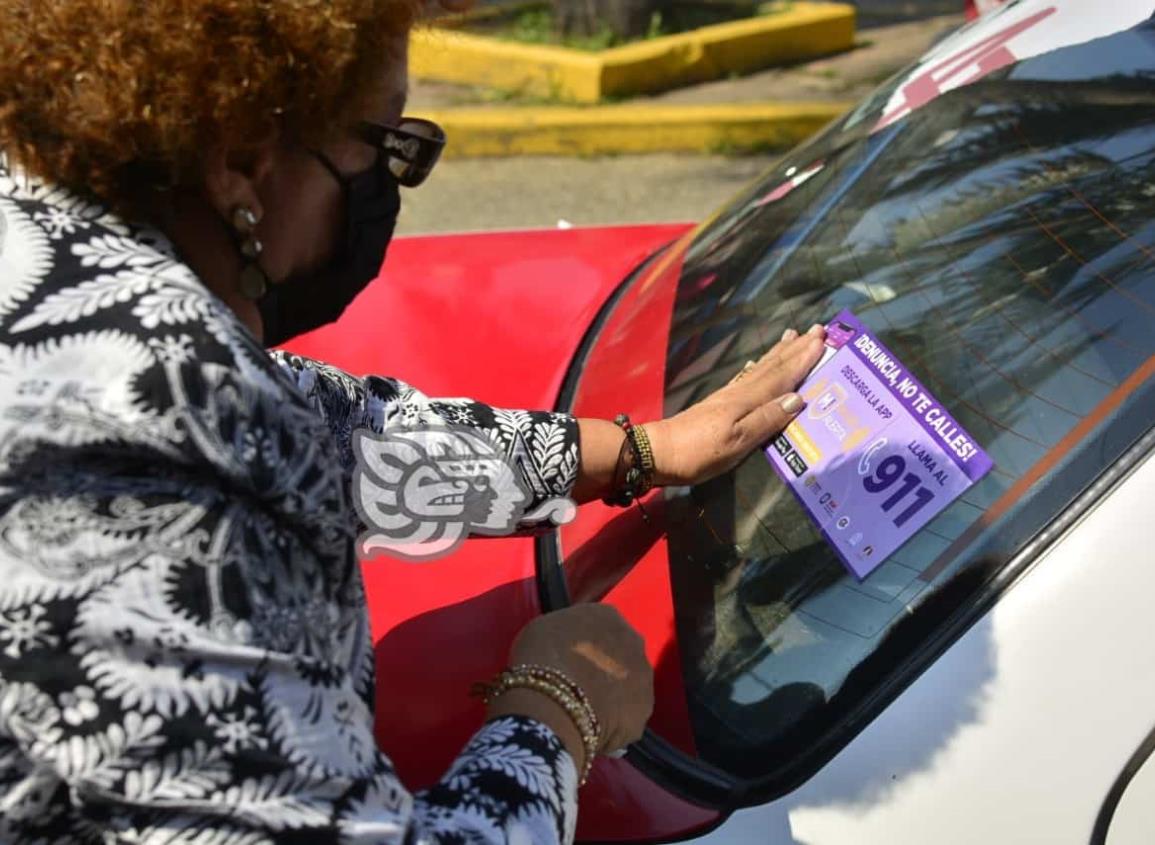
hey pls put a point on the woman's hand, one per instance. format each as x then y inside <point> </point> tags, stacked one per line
<point>601,653</point>
<point>714,435</point>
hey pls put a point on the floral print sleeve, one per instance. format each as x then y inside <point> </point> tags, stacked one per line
<point>541,444</point>
<point>428,473</point>
<point>185,655</point>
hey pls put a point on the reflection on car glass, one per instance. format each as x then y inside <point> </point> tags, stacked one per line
<point>1001,241</point>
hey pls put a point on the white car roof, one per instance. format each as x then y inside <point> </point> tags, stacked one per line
<point>1009,34</point>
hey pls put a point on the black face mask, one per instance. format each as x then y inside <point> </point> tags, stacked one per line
<point>302,303</point>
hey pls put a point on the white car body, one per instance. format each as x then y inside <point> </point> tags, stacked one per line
<point>1037,725</point>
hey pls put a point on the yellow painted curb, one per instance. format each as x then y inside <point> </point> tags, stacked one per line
<point>803,31</point>
<point>479,132</point>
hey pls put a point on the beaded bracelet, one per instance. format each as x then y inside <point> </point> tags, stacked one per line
<point>559,677</point>
<point>564,692</point>
<point>639,474</point>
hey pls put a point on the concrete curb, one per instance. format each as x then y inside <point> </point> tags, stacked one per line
<point>606,130</point>
<point>805,30</point>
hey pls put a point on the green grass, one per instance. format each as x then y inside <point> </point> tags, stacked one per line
<point>534,24</point>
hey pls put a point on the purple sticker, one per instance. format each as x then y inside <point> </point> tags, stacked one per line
<point>874,456</point>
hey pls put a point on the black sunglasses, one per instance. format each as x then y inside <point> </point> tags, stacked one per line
<point>412,147</point>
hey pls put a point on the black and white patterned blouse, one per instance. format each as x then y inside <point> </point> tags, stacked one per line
<point>184,646</point>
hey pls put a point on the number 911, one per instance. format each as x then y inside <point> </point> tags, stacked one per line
<point>886,476</point>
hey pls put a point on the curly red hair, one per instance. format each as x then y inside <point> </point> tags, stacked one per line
<point>108,97</point>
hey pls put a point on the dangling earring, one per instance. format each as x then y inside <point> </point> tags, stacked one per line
<point>253,281</point>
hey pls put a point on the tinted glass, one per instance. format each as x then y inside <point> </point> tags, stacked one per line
<point>1001,240</point>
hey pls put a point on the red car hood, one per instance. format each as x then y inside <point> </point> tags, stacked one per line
<point>493,316</point>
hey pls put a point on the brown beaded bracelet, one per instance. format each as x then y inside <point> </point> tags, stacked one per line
<point>564,692</point>
<point>638,478</point>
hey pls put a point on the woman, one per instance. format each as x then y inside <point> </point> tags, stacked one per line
<point>184,655</point>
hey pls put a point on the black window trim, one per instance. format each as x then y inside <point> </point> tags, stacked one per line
<point>1119,788</point>
<point>700,783</point>
<point>552,591</point>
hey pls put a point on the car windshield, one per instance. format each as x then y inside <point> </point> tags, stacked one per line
<point>1001,241</point>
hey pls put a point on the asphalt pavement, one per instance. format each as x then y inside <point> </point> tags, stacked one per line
<point>874,13</point>
<point>504,193</point>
